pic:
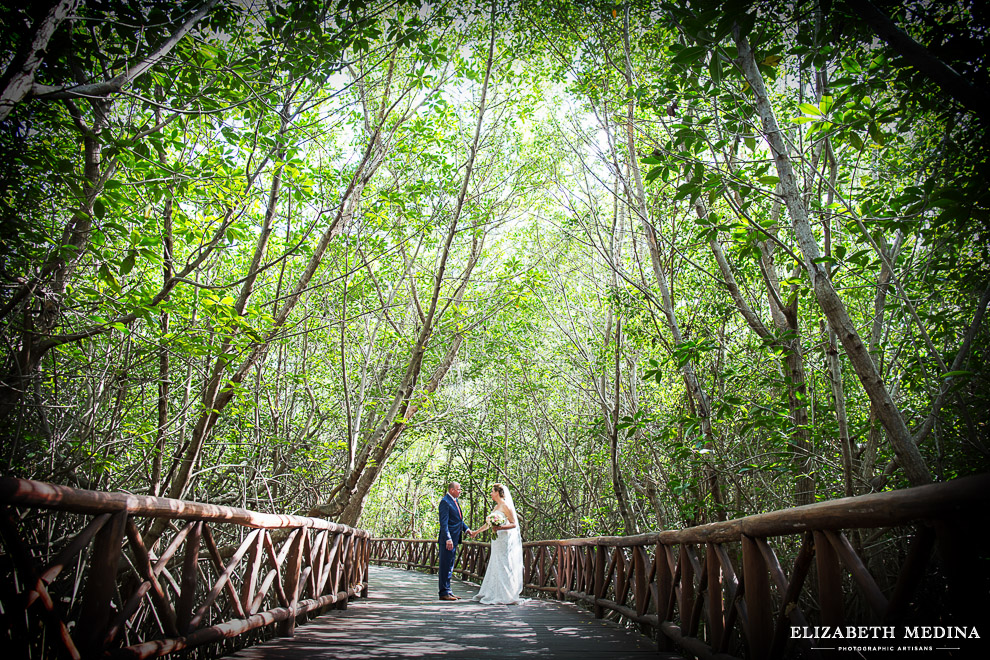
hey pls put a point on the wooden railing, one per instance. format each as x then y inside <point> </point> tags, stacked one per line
<point>423,554</point>
<point>215,575</point>
<point>722,589</point>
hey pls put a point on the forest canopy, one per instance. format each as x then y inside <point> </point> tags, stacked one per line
<point>650,264</point>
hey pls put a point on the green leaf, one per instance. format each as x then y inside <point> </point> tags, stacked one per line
<point>769,180</point>
<point>875,133</point>
<point>715,70</point>
<point>746,23</point>
<point>809,109</point>
<point>128,263</point>
<point>690,54</point>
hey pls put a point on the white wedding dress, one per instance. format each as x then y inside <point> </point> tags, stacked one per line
<point>503,581</point>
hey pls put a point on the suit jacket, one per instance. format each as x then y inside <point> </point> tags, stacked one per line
<point>451,523</point>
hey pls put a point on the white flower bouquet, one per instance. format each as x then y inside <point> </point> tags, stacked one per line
<point>497,519</point>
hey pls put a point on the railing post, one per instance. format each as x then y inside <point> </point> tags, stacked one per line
<point>587,574</point>
<point>685,600</point>
<point>599,579</point>
<point>351,564</point>
<point>912,573</point>
<point>829,581</point>
<point>100,585</point>
<point>343,584</point>
<point>665,592</point>
<point>758,604</point>
<point>640,587</point>
<point>716,625</point>
<point>293,566</point>
<point>190,575</point>
<point>251,572</point>
<point>365,565</point>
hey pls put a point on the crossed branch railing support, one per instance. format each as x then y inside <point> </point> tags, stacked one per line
<point>123,599</point>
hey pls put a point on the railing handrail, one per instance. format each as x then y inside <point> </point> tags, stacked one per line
<point>27,492</point>
<point>886,509</point>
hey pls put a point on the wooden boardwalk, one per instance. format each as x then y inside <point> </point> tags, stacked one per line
<point>402,618</point>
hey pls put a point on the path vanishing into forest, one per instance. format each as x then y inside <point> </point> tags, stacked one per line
<point>402,618</point>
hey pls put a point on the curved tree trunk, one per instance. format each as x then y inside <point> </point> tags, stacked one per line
<point>828,298</point>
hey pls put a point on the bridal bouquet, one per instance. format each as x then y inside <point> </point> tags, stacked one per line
<point>497,519</point>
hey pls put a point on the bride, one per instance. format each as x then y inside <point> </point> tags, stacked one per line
<point>504,576</point>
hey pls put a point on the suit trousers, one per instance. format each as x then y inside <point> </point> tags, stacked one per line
<point>446,571</point>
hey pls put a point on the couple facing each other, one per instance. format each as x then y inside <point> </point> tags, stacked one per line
<point>503,581</point>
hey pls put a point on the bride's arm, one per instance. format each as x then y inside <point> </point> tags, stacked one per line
<point>512,522</point>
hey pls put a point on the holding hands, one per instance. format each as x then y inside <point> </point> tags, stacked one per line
<point>496,521</point>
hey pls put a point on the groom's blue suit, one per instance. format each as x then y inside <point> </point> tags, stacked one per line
<point>451,527</point>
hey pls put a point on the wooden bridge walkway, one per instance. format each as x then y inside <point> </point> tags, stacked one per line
<point>78,579</point>
<point>402,618</point>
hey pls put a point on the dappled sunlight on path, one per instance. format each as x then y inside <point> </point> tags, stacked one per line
<point>402,618</point>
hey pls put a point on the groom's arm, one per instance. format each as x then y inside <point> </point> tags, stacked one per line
<point>444,520</point>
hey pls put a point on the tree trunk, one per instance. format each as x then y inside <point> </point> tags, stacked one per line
<point>18,79</point>
<point>695,390</point>
<point>618,483</point>
<point>904,448</point>
<point>348,502</point>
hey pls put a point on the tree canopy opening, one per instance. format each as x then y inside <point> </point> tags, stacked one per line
<point>649,264</point>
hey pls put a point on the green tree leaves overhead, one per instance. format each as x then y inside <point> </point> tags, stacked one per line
<point>223,231</point>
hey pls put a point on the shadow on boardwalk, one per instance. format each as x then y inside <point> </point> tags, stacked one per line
<point>402,618</point>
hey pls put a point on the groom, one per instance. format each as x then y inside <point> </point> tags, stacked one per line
<point>451,527</point>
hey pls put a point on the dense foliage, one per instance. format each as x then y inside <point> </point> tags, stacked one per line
<point>650,265</point>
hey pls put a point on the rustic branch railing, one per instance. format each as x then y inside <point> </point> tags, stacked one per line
<point>423,554</point>
<point>721,589</point>
<point>125,600</point>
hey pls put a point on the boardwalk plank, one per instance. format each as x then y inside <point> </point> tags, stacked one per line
<point>402,618</point>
